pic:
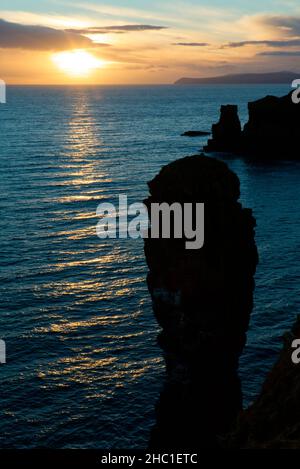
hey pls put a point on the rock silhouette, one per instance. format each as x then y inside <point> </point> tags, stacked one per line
<point>273,421</point>
<point>195,133</point>
<point>202,299</point>
<point>272,131</point>
<point>227,133</point>
<point>242,78</point>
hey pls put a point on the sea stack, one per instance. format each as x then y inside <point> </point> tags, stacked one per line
<point>202,300</point>
<point>273,128</point>
<point>227,133</point>
<point>272,131</point>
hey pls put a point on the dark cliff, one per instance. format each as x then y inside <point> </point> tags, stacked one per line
<point>271,132</point>
<point>273,421</point>
<point>202,300</point>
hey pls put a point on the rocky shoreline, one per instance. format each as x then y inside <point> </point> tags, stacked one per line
<point>273,420</point>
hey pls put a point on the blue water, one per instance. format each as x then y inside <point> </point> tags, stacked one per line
<point>83,368</point>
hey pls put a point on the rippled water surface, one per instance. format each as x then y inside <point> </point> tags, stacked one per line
<point>83,368</point>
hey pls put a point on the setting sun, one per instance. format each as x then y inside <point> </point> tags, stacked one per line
<point>77,62</point>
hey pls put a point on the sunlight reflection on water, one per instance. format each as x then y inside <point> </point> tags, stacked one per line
<point>84,368</point>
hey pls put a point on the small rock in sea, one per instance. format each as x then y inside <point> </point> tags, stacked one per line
<point>195,133</point>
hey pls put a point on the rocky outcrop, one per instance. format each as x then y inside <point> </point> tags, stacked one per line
<point>195,133</point>
<point>271,132</point>
<point>227,133</point>
<point>273,128</point>
<point>273,421</point>
<point>202,300</point>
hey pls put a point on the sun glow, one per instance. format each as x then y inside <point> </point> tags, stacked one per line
<point>77,62</point>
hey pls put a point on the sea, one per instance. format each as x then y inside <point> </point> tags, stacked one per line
<point>83,368</point>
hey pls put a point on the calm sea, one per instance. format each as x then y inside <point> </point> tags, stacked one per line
<point>83,367</point>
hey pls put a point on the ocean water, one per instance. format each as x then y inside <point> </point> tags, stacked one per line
<point>83,368</point>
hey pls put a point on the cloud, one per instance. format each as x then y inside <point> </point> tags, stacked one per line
<point>217,67</point>
<point>46,19</point>
<point>126,28</point>
<point>34,37</point>
<point>174,12</point>
<point>289,25</point>
<point>269,43</point>
<point>191,44</point>
<point>273,27</point>
<point>281,53</point>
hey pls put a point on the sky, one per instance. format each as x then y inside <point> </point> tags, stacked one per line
<point>143,41</point>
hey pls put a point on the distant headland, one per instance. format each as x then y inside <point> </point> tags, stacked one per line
<point>242,79</point>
